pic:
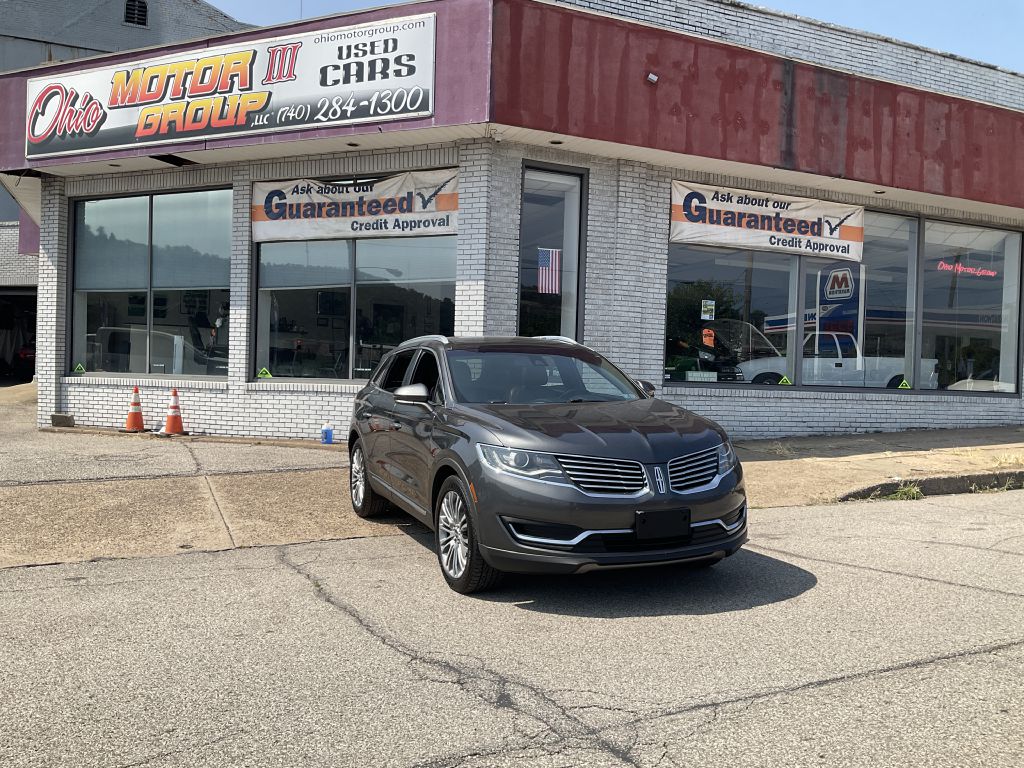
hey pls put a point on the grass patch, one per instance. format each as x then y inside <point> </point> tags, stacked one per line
<point>906,492</point>
<point>1009,485</point>
<point>780,449</point>
<point>1010,460</point>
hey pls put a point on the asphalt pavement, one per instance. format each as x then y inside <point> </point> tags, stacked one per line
<point>861,634</point>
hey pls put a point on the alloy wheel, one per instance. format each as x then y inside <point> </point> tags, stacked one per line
<point>453,534</point>
<point>357,477</point>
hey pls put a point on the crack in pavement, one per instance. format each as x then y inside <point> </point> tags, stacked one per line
<point>134,478</point>
<point>496,689</point>
<point>220,512</point>
<point>182,750</point>
<point>989,590</point>
<point>936,542</point>
<point>748,699</point>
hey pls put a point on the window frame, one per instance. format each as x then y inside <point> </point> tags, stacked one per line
<point>917,267</point>
<point>69,296</point>
<point>353,287</point>
<point>583,174</point>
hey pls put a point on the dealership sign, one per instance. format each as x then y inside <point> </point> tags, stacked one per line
<point>740,219</point>
<point>420,203</point>
<point>365,73</point>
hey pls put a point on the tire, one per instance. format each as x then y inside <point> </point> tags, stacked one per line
<point>894,382</point>
<point>455,539</point>
<point>767,379</point>
<point>366,502</point>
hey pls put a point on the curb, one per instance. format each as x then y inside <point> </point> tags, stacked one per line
<point>942,486</point>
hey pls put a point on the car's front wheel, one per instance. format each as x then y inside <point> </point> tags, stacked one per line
<point>365,501</point>
<point>458,550</point>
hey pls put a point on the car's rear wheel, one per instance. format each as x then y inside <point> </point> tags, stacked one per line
<point>770,379</point>
<point>365,501</point>
<point>458,550</point>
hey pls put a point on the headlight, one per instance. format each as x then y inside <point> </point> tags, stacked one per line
<point>727,460</point>
<point>526,464</point>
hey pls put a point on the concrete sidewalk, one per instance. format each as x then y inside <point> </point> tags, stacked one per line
<point>78,495</point>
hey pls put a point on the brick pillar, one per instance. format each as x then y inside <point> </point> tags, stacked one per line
<point>487,287</point>
<point>641,266</point>
<point>241,279</point>
<point>52,310</point>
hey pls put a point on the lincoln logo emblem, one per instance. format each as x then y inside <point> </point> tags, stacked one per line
<point>659,479</point>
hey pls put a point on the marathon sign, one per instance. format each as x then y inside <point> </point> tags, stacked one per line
<point>367,73</point>
<point>405,205</point>
<point>741,219</point>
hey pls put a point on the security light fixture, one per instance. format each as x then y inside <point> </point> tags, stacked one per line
<point>652,78</point>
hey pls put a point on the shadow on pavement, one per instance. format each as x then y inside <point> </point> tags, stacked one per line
<point>745,580</point>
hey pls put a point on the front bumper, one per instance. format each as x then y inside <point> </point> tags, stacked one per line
<point>530,527</point>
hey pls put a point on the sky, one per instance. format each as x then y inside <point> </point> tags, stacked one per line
<point>987,30</point>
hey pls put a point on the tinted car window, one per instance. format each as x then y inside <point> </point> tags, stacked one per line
<point>551,376</point>
<point>396,372</point>
<point>426,373</point>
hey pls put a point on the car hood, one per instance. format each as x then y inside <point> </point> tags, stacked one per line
<point>650,430</point>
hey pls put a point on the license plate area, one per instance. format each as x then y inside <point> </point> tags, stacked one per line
<point>661,524</point>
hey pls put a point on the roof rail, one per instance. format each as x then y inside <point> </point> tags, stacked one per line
<point>421,339</point>
<point>559,338</point>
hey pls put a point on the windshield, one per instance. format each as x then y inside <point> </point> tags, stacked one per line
<point>552,376</point>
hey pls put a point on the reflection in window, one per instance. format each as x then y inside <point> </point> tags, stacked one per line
<point>157,306</point>
<point>729,315</point>
<point>859,318</point>
<point>309,325</point>
<point>549,254</point>
<point>405,287</point>
<point>303,314</point>
<point>971,288</point>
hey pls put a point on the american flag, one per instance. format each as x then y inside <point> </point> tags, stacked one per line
<point>549,270</point>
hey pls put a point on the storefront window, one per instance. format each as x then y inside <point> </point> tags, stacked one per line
<point>310,326</point>
<point>971,282</point>
<point>549,248</point>
<point>304,308</point>
<point>152,306</point>
<point>730,316</point>
<point>859,318</point>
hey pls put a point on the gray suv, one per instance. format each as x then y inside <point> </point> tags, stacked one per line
<point>537,455</point>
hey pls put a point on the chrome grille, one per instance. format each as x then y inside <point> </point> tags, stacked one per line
<point>611,476</point>
<point>693,470</point>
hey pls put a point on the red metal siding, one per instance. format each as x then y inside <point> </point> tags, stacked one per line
<point>578,74</point>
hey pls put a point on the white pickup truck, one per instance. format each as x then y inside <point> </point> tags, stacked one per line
<point>835,359</point>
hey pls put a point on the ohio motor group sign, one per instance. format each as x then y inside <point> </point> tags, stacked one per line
<point>365,73</point>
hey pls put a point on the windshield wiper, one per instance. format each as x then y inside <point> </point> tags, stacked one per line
<point>581,400</point>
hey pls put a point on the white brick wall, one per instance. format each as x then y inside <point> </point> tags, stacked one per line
<point>627,259</point>
<point>15,270</point>
<point>832,46</point>
<point>627,243</point>
<point>236,406</point>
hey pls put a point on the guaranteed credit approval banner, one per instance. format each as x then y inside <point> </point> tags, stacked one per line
<point>408,204</point>
<point>365,73</point>
<point>759,221</point>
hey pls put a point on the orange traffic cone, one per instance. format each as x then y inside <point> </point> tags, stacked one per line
<point>134,422</point>
<point>173,425</point>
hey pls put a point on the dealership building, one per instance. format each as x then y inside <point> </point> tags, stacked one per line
<point>789,227</point>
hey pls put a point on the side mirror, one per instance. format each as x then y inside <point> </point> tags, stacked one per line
<point>647,387</point>
<point>412,393</point>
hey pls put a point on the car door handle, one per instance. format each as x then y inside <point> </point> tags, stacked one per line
<point>839,365</point>
<point>397,424</point>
